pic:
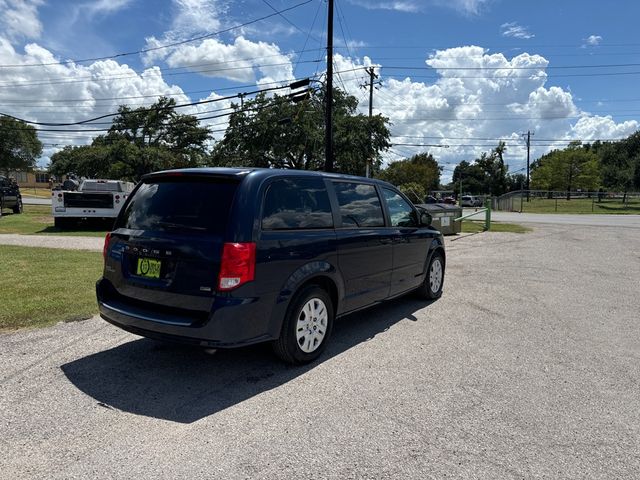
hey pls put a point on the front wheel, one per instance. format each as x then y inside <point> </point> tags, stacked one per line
<point>306,328</point>
<point>434,280</point>
<point>18,206</point>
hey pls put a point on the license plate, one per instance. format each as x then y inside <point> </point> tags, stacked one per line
<point>148,267</point>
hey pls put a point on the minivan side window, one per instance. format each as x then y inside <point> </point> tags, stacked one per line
<point>297,203</point>
<point>359,205</point>
<point>402,214</point>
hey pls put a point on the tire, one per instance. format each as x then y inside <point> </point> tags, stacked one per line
<point>61,223</point>
<point>431,288</point>
<point>17,209</point>
<point>302,341</point>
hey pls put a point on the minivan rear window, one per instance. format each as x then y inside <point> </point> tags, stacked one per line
<point>180,204</point>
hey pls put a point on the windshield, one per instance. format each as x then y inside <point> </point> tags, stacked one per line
<point>180,205</point>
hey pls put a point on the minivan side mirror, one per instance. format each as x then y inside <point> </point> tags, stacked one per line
<point>425,218</point>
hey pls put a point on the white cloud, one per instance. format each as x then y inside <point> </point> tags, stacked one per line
<point>466,6</point>
<point>399,6</point>
<point>239,61</point>
<point>94,89</point>
<point>190,18</point>
<point>473,7</point>
<point>478,96</point>
<point>512,29</point>
<point>598,127</point>
<point>197,16</point>
<point>104,7</point>
<point>242,61</point>
<point>19,19</point>
<point>593,40</point>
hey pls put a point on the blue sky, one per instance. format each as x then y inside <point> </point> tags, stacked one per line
<point>460,73</point>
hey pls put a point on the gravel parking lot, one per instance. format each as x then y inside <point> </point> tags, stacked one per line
<point>528,367</point>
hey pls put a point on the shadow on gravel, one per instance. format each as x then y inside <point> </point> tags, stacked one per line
<point>183,384</point>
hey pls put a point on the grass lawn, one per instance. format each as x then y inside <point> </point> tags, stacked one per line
<point>475,227</point>
<point>37,220</point>
<point>35,192</point>
<point>43,286</point>
<point>579,205</point>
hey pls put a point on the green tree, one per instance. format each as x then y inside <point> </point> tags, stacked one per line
<point>571,169</point>
<point>414,191</point>
<point>139,141</point>
<point>517,181</point>
<point>421,169</point>
<point>86,161</point>
<point>276,132</point>
<point>620,164</point>
<point>486,175</point>
<point>19,145</point>
<point>472,176</point>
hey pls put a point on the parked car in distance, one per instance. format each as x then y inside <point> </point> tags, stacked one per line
<point>450,201</point>
<point>222,258</point>
<point>10,197</point>
<point>471,201</point>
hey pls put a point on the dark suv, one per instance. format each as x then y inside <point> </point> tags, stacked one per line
<point>10,195</point>
<point>228,257</point>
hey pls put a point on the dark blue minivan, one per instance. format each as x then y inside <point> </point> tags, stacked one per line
<point>223,258</point>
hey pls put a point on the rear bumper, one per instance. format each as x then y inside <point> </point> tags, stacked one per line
<point>85,212</point>
<point>233,322</point>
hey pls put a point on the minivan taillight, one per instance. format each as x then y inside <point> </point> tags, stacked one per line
<point>238,265</point>
<point>107,239</point>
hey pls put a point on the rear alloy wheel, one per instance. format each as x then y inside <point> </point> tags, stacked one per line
<point>307,326</point>
<point>434,280</point>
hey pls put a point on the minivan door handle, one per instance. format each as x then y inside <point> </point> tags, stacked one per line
<point>386,241</point>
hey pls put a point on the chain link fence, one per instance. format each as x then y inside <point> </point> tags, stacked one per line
<point>544,201</point>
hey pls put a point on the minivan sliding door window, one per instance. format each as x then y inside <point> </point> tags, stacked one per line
<point>359,205</point>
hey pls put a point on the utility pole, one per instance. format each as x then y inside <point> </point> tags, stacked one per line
<point>328,163</point>
<point>372,77</point>
<point>528,135</point>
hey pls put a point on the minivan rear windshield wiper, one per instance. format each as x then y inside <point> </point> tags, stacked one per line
<point>179,226</point>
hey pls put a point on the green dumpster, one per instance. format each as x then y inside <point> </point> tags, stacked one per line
<point>443,217</point>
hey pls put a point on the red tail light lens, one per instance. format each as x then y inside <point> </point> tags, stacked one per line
<point>238,265</point>
<point>107,239</point>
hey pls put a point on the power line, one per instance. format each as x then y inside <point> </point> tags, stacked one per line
<point>529,45</point>
<point>515,77</point>
<point>63,80</point>
<point>453,118</point>
<point>155,95</point>
<point>444,137</point>
<point>107,78</point>
<point>287,20</point>
<point>153,109</point>
<point>505,77</point>
<point>160,47</point>
<point>306,41</point>
<point>546,67</point>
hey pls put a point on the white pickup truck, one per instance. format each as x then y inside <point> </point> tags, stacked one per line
<point>93,199</point>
